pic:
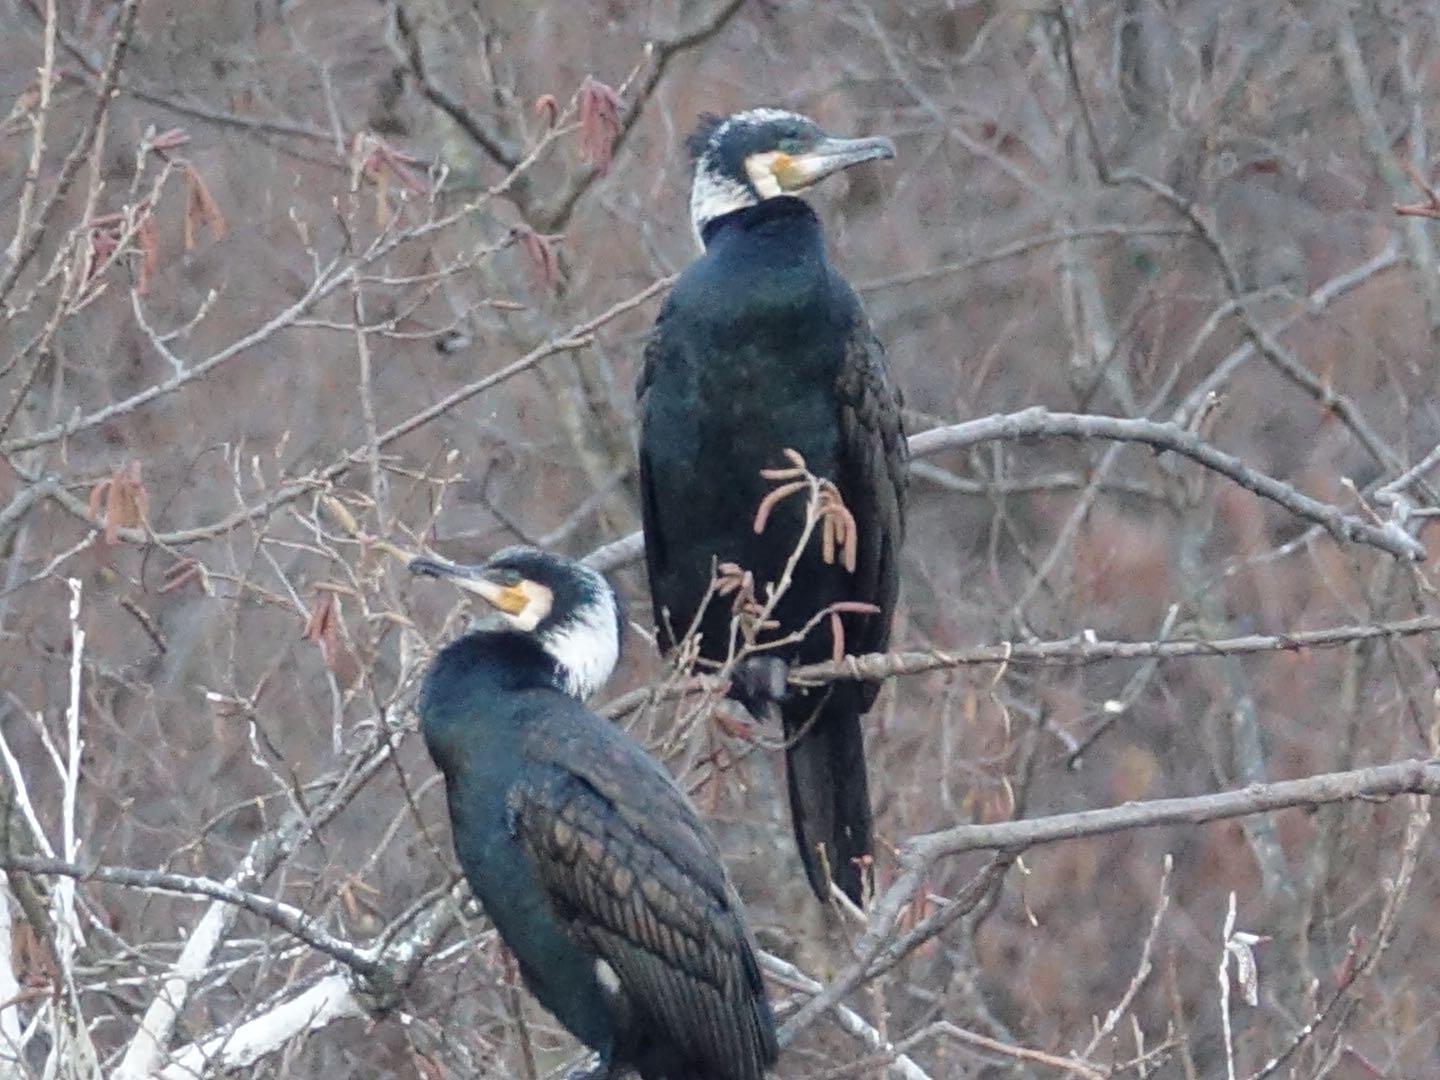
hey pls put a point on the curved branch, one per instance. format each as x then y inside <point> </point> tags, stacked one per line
<point>1038,422</point>
<point>291,919</point>
<point>1414,777</point>
<point>492,142</point>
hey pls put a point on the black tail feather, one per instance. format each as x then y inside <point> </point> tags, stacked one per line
<point>824,771</point>
<point>829,793</point>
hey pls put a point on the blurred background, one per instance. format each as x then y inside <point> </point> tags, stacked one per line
<point>325,283</point>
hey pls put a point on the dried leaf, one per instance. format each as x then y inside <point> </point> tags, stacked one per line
<point>839,527</point>
<point>341,513</point>
<point>544,263</point>
<point>124,500</point>
<point>103,243</point>
<point>169,140</point>
<point>23,111</point>
<point>145,240</point>
<point>323,627</point>
<point>548,109</point>
<point>599,122</point>
<point>1425,210</point>
<point>385,160</point>
<point>201,209</point>
<point>740,583</point>
<point>186,570</point>
<point>31,955</point>
<point>347,897</point>
<point>1247,972</point>
<point>1345,972</point>
<point>1366,1065</point>
<point>382,198</point>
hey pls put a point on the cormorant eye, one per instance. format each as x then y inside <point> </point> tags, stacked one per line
<point>507,577</point>
<point>792,145</point>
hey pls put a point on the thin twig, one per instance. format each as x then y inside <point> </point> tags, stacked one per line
<point>70,168</point>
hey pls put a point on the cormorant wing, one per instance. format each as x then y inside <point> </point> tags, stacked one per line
<point>657,556</point>
<point>626,862</point>
<point>874,457</point>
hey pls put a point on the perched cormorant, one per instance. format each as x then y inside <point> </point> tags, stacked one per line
<point>592,864</point>
<point>762,346</point>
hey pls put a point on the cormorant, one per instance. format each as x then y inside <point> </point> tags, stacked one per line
<point>762,346</point>
<point>592,864</point>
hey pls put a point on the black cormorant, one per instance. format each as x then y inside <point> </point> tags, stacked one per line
<point>760,346</point>
<point>592,864</point>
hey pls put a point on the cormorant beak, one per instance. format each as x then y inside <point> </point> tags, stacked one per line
<point>795,172</point>
<point>510,598</point>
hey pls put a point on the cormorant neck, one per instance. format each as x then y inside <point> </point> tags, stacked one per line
<point>783,212</point>
<point>497,660</point>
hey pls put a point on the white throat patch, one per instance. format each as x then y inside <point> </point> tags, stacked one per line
<point>587,647</point>
<point>713,196</point>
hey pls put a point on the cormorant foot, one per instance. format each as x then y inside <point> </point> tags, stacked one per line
<point>759,684</point>
<point>597,1067</point>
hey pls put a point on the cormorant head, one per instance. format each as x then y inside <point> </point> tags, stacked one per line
<point>568,609</point>
<point>750,156</point>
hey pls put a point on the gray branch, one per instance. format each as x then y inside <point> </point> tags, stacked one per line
<point>1413,777</point>
<point>1039,422</point>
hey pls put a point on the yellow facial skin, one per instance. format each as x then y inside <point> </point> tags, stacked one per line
<point>775,172</point>
<point>524,603</point>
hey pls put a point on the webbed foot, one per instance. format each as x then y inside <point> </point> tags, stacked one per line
<point>759,684</point>
<point>598,1067</point>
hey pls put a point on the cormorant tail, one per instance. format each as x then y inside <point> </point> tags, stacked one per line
<point>829,796</point>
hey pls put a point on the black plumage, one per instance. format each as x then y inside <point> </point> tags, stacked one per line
<point>760,346</point>
<point>592,864</point>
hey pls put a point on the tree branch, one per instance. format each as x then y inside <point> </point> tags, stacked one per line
<point>664,52</point>
<point>1087,649</point>
<point>290,919</point>
<point>1037,422</point>
<point>500,149</point>
<point>70,168</point>
<point>1414,777</point>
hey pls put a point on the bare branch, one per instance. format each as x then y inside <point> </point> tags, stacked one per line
<point>1038,421</point>
<point>328,1000</point>
<point>1088,649</point>
<point>1377,782</point>
<point>289,918</point>
<point>75,159</point>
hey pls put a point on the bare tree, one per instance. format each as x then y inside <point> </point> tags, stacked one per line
<point>291,292</point>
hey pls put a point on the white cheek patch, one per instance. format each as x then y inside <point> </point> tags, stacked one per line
<point>586,648</point>
<point>713,196</point>
<point>761,170</point>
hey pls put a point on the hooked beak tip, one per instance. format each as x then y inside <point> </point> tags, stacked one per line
<point>884,148</point>
<point>853,151</point>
